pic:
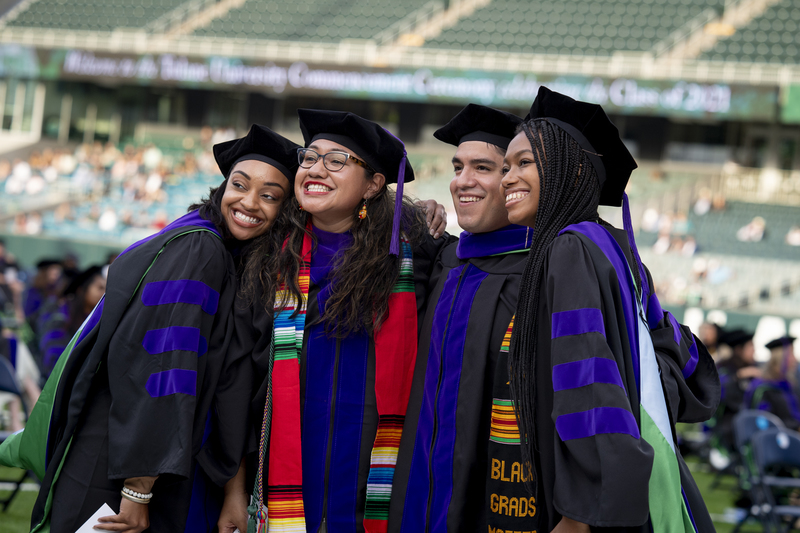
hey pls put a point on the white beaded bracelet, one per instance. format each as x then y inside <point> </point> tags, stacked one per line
<point>135,494</point>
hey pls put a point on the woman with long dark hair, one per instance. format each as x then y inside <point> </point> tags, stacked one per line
<point>147,409</point>
<point>597,372</point>
<point>345,329</point>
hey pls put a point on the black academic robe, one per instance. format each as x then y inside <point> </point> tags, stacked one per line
<point>150,388</point>
<point>591,462</point>
<point>337,396</point>
<point>440,478</point>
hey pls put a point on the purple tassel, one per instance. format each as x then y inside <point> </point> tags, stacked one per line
<point>394,246</point>
<point>626,221</point>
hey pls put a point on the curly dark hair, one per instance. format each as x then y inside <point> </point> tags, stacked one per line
<point>365,274</point>
<point>257,283</point>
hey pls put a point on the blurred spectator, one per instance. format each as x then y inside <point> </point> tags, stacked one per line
<point>43,287</point>
<point>62,318</point>
<point>776,391</point>
<point>703,203</point>
<point>650,220</point>
<point>793,236</point>
<point>108,220</point>
<point>752,232</point>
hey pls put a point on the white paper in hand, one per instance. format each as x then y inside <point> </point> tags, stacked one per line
<point>87,526</point>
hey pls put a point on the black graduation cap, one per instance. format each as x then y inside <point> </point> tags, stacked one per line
<point>260,144</point>
<point>736,337</point>
<point>45,263</point>
<point>372,143</point>
<point>382,151</point>
<point>81,279</point>
<point>591,128</point>
<point>777,343</point>
<point>479,123</point>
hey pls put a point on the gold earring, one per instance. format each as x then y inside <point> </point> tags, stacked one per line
<point>362,213</point>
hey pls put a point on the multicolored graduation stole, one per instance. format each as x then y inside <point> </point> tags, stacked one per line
<point>285,483</point>
<point>395,355</point>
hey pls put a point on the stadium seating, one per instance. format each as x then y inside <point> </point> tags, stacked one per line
<point>771,38</point>
<point>307,20</point>
<point>96,15</point>
<point>570,26</point>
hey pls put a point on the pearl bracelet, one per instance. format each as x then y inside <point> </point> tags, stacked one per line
<point>137,497</point>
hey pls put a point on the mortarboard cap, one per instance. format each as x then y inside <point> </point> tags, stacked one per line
<point>479,123</point>
<point>779,342</point>
<point>382,151</point>
<point>591,128</point>
<point>736,337</point>
<point>82,278</point>
<point>44,263</point>
<point>260,144</point>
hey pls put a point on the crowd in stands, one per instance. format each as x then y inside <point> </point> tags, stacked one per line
<point>106,188</point>
<point>40,310</point>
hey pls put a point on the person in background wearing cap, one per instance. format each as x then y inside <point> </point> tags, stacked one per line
<point>735,374</point>
<point>343,365</point>
<point>777,391</point>
<point>149,405</point>
<point>591,348</point>
<point>60,320</point>
<point>43,289</point>
<point>441,468</point>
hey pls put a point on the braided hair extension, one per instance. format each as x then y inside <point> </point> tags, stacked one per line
<point>569,193</point>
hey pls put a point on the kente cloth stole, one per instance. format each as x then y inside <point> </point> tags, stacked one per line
<point>395,355</point>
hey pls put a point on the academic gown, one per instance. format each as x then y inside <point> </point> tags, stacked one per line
<point>779,397</point>
<point>148,389</point>
<point>337,395</point>
<point>440,478</point>
<point>592,462</point>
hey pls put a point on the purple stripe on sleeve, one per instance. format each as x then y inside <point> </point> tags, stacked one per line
<point>158,341</point>
<point>175,381</point>
<point>585,372</point>
<point>654,311</point>
<point>694,357</point>
<point>92,321</point>
<point>600,420</point>
<point>187,291</point>
<point>603,239</point>
<point>577,322</point>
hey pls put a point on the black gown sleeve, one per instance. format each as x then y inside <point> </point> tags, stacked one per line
<point>176,327</point>
<point>602,465</point>
<point>231,437</point>
<point>779,406</point>
<point>426,253</point>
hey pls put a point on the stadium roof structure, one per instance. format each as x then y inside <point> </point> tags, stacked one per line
<point>685,55</point>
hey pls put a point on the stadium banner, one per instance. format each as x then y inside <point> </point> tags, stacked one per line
<point>675,98</point>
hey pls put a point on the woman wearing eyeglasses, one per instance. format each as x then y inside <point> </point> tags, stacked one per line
<point>342,364</point>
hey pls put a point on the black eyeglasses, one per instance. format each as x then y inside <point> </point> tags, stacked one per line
<point>333,161</point>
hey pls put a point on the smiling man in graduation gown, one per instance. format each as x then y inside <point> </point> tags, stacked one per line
<point>441,470</point>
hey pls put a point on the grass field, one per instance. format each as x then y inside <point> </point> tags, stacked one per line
<point>17,518</point>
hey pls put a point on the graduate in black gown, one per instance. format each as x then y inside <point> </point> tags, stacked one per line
<point>777,390</point>
<point>598,373</point>
<point>149,405</point>
<point>342,364</point>
<point>440,482</point>
<point>735,374</point>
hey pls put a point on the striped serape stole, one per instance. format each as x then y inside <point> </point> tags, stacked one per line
<point>395,356</point>
<point>285,511</point>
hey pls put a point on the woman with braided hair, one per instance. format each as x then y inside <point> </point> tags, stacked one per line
<point>598,374</point>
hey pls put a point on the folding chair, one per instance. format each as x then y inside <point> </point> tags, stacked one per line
<point>777,451</point>
<point>8,383</point>
<point>746,424</point>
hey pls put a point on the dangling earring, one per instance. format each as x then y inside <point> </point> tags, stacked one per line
<point>299,207</point>
<point>362,213</point>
